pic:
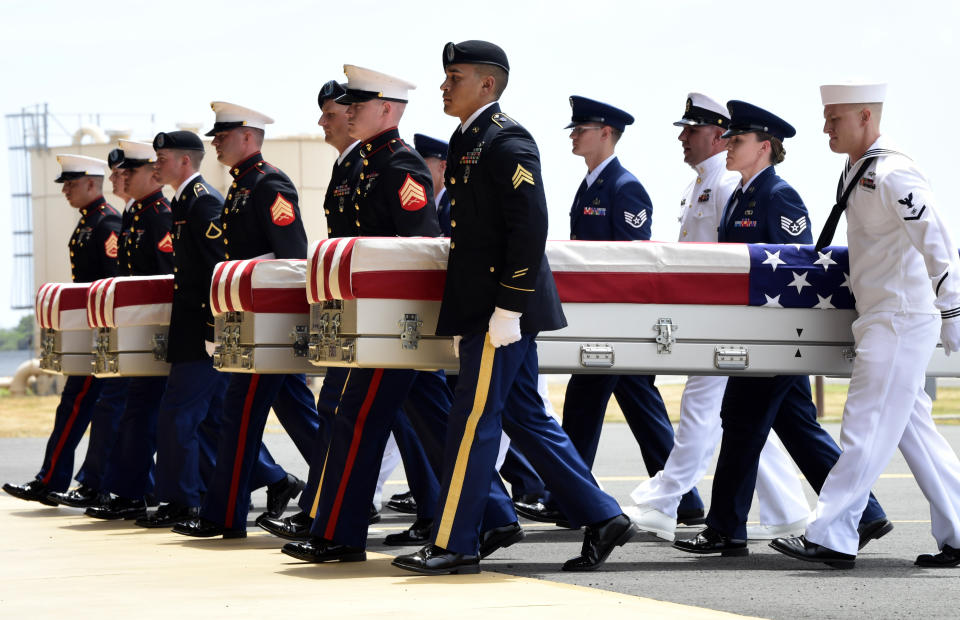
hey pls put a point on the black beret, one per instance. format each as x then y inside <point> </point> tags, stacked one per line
<point>330,90</point>
<point>475,53</point>
<point>183,140</point>
<point>115,158</point>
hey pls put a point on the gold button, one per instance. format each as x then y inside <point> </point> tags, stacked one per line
<point>491,270</point>
<point>229,196</point>
<point>329,230</point>
<point>452,245</point>
<point>72,266</point>
<point>453,201</point>
<point>233,185</point>
<point>226,242</point>
<point>366,163</point>
<point>71,254</point>
<point>175,287</point>
<point>453,223</point>
<point>226,255</point>
<point>83,221</point>
<point>326,211</point>
<point>358,222</point>
<point>203,305</point>
<point>392,141</point>
<point>224,225</point>
<point>684,233</point>
<point>128,252</point>
<point>136,218</point>
<point>236,170</point>
<point>453,181</point>
<point>356,206</point>
<point>174,270</point>
<point>361,176</point>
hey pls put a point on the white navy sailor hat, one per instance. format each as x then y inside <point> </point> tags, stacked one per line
<point>231,116</point>
<point>366,84</point>
<point>78,166</point>
<point>853,92</point>
<point>702,110</point>
<point>136,154</point>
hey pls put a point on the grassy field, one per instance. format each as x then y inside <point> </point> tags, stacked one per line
<point>32,416</point>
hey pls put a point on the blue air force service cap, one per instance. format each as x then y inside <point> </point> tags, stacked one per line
<point>746,117</point>
<point>330,90</point>
<point>136,154</point>
<point>429,147</point>
<point>114,158</point>
<point>366,84</point>
<point>702,110</point>
<point>590,111</point>
<point>182,140</point>
<point>475,53</point>
<point>79,166</point>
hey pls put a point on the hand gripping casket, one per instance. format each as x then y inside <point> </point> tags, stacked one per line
<point>66,339</point>
<point>631,307</point>
<point>131,317</point>
<point>261,316</point>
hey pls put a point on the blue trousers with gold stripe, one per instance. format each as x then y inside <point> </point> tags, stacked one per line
<point>497,389</point>
<point>130,468</point>
<point>246,406</point>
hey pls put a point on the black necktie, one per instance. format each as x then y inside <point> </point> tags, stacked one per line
<point>731,205</point>
<point>830,227</point>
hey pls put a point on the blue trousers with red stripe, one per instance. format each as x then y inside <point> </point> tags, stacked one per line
<point>130,468</point>
<point>70,421</point>
<point>103,431</point>
<point>368,409</point>
<point>327,401</point>
<point>497,391</point>
<point>246,406</point>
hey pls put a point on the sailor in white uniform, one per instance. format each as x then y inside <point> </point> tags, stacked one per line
<point>783,509</point>
<point>905,275</point>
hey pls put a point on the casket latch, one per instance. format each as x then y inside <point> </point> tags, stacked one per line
<point>665,338</point>
<point>597,356</point>
<point>301,340</point>
<point>409,326</point>
<point>160,347</point>
<point>849,354</point>
<point>731,358</point>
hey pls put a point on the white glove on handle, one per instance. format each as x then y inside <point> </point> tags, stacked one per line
<point>456,345</point>
<point>504,327</point>
<point>950,336</point>
<point>210,347</point>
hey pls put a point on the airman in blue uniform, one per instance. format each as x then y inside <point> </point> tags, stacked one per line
<point>434,153</point>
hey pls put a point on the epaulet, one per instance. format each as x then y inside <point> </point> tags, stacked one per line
<point>199,189</point>
<point>499,118</point>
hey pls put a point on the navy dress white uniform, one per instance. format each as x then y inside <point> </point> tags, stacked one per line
<point>497,267</point>
<point>764,210</point>
<point>260,219</point>
<point>905,277</point>
<point>782,505</point>
<point>93,255</point>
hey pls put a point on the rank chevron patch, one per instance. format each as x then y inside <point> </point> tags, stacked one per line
<point>793,227</point>
<point>635,220</point>
<point>281,211</point>
<point>110,245</point>
<point>522,175</point>
<point>413,196</point>
<point>166,244</point>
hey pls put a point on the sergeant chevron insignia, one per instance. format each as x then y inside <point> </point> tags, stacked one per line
<point>110,245</point>
<point>522,175</point>
<point>281,211</point>
<point>166,244</point>
<point>413,196</point>
<point>213,232</point>
<point>635,220</point>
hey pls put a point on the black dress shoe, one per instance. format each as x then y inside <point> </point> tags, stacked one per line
<point>500,538</point>
<point>81,497</point>
<point>281,492</point>
<point>296,527</point>
<point>947,557</point>
<point>118,508</point>
<point>800,548</point>
<point>599,540</point>
<point>204,528</point>
<point>535,510</point>
<point>434,560</point>
<point>711,541</point>
<point>403,502</point>
<point>374,515</point>
<point>873,530</point>
<point>33,491</point>
<point>320,550</point>
<point>168,515</point>
<point>691,517</point>
<point>416,534</point>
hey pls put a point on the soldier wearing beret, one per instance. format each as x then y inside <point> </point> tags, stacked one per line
<point>499,294</point>
<point>260,219</point>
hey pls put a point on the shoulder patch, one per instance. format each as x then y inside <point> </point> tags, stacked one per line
<point>110,245</point>
<point>281,211</point>
<point>793,227</point>
<point>522,175</point>
<point>635,220</point>
<point>413,196</point>
<point>199,190</point>
<point>213,232</point>
<point>166,244</point>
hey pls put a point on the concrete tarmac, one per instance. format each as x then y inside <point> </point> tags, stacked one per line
<point>58,558</point>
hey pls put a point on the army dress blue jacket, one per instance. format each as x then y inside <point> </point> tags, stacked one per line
<point>146,245</point>
<point>769,211</point>
<point>615,207</point>
<point>95,242</point>
<point>498,219</point>
<point>443,212</point>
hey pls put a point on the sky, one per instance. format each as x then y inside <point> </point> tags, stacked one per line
<point>148,66</point>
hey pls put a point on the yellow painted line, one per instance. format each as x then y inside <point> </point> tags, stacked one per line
<point>51,558</point>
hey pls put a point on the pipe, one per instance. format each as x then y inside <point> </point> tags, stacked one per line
<point>93,132</point>
<point>30,368</point>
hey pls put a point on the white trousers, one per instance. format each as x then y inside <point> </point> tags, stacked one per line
<point>779,491</point>
<point>886,408</point>
<point>391,458</point>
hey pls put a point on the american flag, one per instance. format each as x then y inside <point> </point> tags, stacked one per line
<point>798,276</point>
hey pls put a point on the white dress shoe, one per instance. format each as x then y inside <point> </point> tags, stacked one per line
<point>651,520</point>
<point>769,532</point>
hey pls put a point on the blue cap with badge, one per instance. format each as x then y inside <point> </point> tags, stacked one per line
<point>746,117</point>
<point>475,52</point>
<point>429,147</point>
<point>590,111</point>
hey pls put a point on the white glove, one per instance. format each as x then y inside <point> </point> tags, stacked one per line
<point>504,327</point>
<point>950,336</point>
<point>456,345</point>
<point>210,347</point>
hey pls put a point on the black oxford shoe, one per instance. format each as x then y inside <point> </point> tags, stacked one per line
<point>947,557</point>
<point>800,548</point>
<point>118,508</point>
<point>691,517</point>
<point>81,497</point>
<point>873,530</point>
<point>281,492</point>
<point>403,502</point>
<point>599,539</point>
<point>500,538</point>
<point>417,534</point>
<point>168,515</point>
<point>320,550</point>
<point>296,527</point>
<point>204,528</point>
<point>711,541</point>
<point>434,560</point>
<point>532,508</point>
<point>33,491</point>
<point>374,515</point>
